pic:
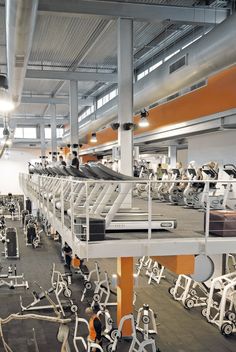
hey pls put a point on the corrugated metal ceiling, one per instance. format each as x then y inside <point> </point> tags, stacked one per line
<point>58,40</point>
<point>29,109</point>
<point>39,86</point>
<point>61,42</point>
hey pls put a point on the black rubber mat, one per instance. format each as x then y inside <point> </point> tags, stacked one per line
<point>179,330</point>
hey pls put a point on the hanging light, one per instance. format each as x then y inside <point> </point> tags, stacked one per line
<point>93,138</point>
<point>143,118</point>
<point>6,104</point>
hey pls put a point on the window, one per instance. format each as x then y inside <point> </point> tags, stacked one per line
<point>19,132</point>
<point>169,56</point>
<point>105,99</point>
<point>113,94</point>
<point>192,41</point>
<point>25,132</point>
<point>47,132</point>
<point>99,103</point>
<point>29,132</point>
<point>60,132</point>
<point>153,67</point>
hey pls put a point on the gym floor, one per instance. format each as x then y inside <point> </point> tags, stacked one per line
<point>179,330</point>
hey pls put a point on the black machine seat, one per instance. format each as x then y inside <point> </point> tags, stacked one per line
<point>209,171</point>
<point>42,295</point>
<point>192,172</point>
<point>230,169</point>
<point>164,171</point>
<point>176,172</point>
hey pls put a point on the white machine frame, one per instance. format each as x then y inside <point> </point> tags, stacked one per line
<point>222,313</point>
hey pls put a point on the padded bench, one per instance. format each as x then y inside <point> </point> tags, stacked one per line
<point>222,223</point>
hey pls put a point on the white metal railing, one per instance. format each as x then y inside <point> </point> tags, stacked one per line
<point>63,200</point>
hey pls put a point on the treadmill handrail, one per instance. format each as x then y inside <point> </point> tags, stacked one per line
<point>115,174</point>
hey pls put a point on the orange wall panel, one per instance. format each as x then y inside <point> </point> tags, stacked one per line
<point>218,95</point>
<point>179,264</point>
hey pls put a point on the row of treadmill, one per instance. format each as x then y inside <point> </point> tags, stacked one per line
<point>105,191</point>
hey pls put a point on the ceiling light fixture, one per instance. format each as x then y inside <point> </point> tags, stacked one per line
<point>144,118</point>
<point>93,138</point>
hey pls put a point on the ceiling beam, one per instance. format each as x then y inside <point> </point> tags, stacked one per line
<point>50,100</point>
<point>35,120</point>
<point>72,76</point>
<point>136,11</point>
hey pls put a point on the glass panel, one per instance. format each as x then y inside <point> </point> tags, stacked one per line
<point>29,132</point>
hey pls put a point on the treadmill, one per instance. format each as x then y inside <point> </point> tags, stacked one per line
<point>131,220</point>
<point>72,171</point>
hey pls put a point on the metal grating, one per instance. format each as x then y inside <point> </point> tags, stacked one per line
<point>58,40</point>
<point>39,86</point>
<point>25,110</point>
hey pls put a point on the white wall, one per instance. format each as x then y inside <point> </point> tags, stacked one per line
<point>10,167</point>
<point>182,156</point>
<point>217,146</point>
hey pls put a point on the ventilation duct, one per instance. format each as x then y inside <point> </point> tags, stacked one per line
<point>20,24</point>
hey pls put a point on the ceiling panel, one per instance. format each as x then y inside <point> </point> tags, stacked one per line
<point>60,40</point>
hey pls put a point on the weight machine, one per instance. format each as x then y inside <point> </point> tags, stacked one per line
<point>142,263</point>
<point>102,293</point>
<point>136,345</point>
<point>146,322</point>
<point>89,280</point>
<point>187,291</point>
<point>58,288</point>
<point>12,280</point>
<point>221,310</point>
<point>155,272</point>
<point>9,238</point>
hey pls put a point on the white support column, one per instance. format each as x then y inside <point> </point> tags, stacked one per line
<point>172,155</point>
<point>74,127</point>
<point>54,129</point>
<point>42,140</point>
<point>125,97</point>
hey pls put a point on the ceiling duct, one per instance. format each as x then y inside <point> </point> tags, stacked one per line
<point>213,52</point>
<point>20,24</point>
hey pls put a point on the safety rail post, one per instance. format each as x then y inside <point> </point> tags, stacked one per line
<point>53,204</point>
<point>87,217</point>
<point>149,210</point>
<point>47,191</point>
<point>207,214</point>
<point>39,196</point>
<point>72,219</point>
<point>62,206</point>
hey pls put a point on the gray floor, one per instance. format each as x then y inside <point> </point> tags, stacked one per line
<point>190,222</point>
<point>179,330</point>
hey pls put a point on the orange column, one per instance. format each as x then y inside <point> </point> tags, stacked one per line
<point>125,291</point>
<point>179,264</point>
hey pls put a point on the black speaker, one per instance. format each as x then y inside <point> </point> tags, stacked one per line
<point>128,126</point>
<point>115,126</point>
